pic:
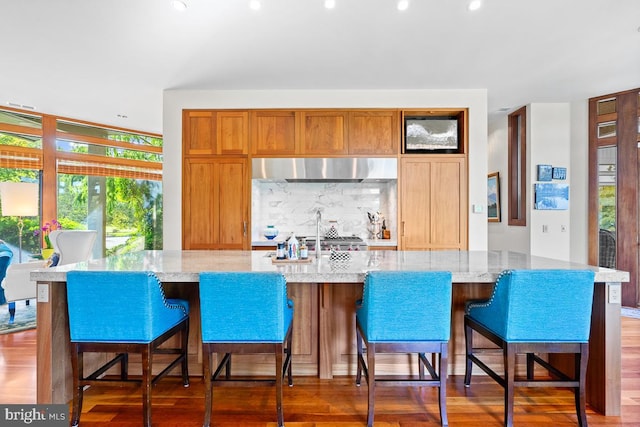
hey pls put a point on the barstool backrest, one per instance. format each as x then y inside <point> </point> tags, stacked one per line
<point>406,306</point>
<point>244,307</point>
<point>539,305</point>
<point>123,306</point>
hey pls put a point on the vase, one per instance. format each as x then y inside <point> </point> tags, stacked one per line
<point>46,253</point>
<point>270,232</point>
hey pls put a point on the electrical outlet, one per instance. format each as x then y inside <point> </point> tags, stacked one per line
<point>615,294</point>
<point>545,228</point>
<point>43,292</point>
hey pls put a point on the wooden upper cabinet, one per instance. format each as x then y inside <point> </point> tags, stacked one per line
<point>374,132</point>
<point>324,132</point>
<point>215,132</point>
<point>199,132</point>
<point>274,132</point>
<point>233,132</point>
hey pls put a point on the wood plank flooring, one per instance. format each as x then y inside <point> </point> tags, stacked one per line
<point>323,403</point>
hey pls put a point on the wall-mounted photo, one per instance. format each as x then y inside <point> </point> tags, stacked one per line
<point>431,134</point>
<point>552,196</point>
<point>559,173</point>
<point>493,197</point>
<point>544,172</point>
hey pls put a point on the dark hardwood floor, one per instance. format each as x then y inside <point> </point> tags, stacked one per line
<point>313,402</point>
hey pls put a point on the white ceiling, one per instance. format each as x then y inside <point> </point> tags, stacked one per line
<point>97,59</point>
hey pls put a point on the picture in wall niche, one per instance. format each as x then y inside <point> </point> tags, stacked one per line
<point>431,134</point>
<point>544,172</point>
<point>493,197</point>
<point>552,196</point>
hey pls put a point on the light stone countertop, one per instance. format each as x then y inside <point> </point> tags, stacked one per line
<point>466,266</point>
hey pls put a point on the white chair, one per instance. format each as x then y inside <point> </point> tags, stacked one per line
<point>73,245</point>
<point>18,285</point>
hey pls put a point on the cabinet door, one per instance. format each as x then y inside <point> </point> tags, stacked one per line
<point>374,132</point>
<point>324,132</point>
<point>434,204</point>
<point>232,205</point>
<point>199,132</point>
<point>215,204</point>
<point>198,204</point>
<point>274,132</point>
<point>415,193</point>
<point>233,132</point>
<point>215,132</point>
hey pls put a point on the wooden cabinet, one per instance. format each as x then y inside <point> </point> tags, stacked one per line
<point>215,203</point>
<point>374,132</point>
<point>198,132</point>
<point>215,132</point>
<point>433,205</point>
<point>274,133</point>
<point>324,132</point>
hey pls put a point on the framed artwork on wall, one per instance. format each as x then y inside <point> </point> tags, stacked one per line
<point>493,197</point>
<point>559,173</point>
<point>551,196</point>
<point>544,172</point>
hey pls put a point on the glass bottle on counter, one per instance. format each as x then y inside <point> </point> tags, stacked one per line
<point>281,253</point>
<point>304,252</point>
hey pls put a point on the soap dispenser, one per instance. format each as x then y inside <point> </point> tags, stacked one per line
<point>294,247</point>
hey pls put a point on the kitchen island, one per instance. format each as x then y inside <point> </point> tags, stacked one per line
<point>324,293</point>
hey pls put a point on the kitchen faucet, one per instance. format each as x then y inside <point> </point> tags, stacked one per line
<point>318,219</point>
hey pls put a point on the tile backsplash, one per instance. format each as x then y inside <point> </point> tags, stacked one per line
<point>291,207</point>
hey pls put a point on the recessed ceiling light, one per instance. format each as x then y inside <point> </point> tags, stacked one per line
<point>179,5</point>
<point>403,4</point>
<point>475,4</point>
<point>16,105</point>
<point>254,4</point>
<point>329,4</point>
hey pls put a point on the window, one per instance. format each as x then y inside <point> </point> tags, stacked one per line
<point>107,179</point>
<point>517,193</point>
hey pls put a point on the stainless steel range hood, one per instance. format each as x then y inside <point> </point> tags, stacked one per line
<point>353,169</point>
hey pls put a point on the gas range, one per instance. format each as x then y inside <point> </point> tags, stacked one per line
<point>343,243</point>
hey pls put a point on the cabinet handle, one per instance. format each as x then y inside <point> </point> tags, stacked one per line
<point>402,228</point>
<point>244,228</point>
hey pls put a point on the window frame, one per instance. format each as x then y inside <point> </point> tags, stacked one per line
<point>517,182</point>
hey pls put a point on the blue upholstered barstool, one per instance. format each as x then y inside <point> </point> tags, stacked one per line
<point>245,312</point>
<point>123,312</point>
<point>405,312</point>
<point>530,312</point>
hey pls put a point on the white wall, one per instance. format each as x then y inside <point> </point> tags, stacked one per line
<point>174,101</point>
<point>579,174</point>
<point>557,134</point>
<point>549,139</point>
